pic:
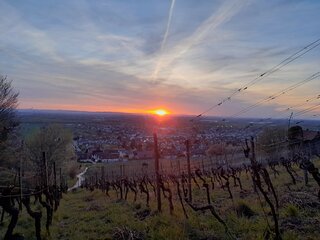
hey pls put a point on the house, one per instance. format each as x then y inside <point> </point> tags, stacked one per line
<point>144,154</point>
<point>97,155</point>
<point>111,154</point>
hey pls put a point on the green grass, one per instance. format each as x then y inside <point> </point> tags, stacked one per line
<point>93,215</point>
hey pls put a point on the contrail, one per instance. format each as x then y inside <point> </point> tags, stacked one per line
<point>168,25</point>
<point>164,40</point>
<point>220,16</point>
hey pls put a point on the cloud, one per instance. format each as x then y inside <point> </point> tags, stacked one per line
<point>186,55</point>
<point>156,70</point>
<point>224,13</point>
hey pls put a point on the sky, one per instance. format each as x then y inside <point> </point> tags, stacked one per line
<point>181,55</point>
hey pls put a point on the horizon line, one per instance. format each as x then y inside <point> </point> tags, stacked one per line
<point>149,114</point>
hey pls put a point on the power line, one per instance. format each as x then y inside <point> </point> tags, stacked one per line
<point>278,94</point>
<point>302,112</point>
<point>307,101</point>
<point>261,120</point>
<point>288,60</point>
<point>272,70</point>
<point>302,104</point>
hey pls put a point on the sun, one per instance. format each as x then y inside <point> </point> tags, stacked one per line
<point>160,112</point>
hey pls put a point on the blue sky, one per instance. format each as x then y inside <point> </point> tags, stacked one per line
<point>182,55</point>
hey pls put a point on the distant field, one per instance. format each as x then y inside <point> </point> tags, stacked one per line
<point>28,128</point>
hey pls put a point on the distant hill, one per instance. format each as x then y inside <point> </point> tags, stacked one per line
<point>43,111</point>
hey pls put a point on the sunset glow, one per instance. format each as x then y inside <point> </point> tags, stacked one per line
<point>160,112</point>
<point>155,55</point>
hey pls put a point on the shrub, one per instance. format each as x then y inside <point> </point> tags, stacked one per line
<point>243,210</point>
<point>291,210</point>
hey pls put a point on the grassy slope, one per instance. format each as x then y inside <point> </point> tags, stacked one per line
<point>92,215</point>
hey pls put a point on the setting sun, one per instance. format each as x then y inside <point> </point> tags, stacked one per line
<point>160,112</point>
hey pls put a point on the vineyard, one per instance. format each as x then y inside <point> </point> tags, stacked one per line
<point>32,191</point>
<point>182,200</point>
<point>136,120</point>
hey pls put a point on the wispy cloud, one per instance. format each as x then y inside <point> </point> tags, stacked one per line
<point>185,55</point>
<point>220,16</point>
<point>156,70</point>
<point>168,26</point>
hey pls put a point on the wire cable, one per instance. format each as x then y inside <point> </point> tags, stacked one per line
<point>272,70</point>
<point>278,94</point>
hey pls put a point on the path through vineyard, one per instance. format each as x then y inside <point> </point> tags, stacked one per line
<point>80,180</point>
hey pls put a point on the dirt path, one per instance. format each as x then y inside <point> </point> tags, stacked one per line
<point>79,181</point>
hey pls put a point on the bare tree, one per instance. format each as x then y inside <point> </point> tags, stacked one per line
<point>8,105</point>
<point>272,141</point>
<point>53,140</point>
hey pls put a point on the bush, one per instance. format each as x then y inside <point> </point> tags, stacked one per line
<point>72,171</point>
<point>243,210</point>
<point>291,211</point>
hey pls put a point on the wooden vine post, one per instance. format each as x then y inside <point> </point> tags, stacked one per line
<point>20,186</point>
<point>189,170</point>
<point>256,169</point>
<point>54,174</point>
<point>60,176</point>
<point>45,169</point>
<point>156,164</point>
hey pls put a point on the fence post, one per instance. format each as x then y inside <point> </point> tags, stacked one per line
<point>189,169</point>
<point>253,160</point>
<point>102,174</point>
<point>20,185</point>
<point>45,168</point>
<point>156,158</point>
<point>54,174</point>
<point>202,165</point>
<point>60,175</point>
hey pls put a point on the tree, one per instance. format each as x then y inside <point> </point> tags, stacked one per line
<point>272,141</point>
<point>222,153</point>
<point>295,137</point>
<point>53,140</point>
<point>8,105</point>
